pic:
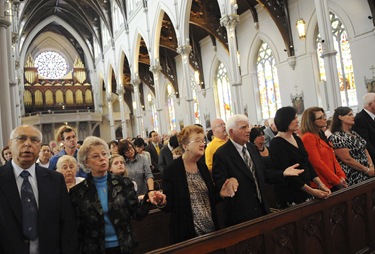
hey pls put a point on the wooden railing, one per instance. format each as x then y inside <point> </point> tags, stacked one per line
<point>343,223</point>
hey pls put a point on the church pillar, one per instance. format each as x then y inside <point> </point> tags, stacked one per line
<point>110,115</point>
<point>138,114</point>
<point>230,22</point>
<point>5,102</point>
<point>184,51</point>
<point>156,70</point>
<point>120,92</point>
<point>329,54</point>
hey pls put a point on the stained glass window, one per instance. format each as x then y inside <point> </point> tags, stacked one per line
<point>171,109</point>
<point>268,83</point>
<point>223,93</point>
<point>51,65</point>
<point>195,100</point>
<point>345,71</point>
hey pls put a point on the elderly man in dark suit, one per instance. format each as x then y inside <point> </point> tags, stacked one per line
<point>239,161</point>
<point>36,212</point>
<point>365,123</point>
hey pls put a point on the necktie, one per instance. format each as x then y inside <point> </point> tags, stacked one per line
<point>29,208</point>
<point>250,165</point>
<point>157,149</point>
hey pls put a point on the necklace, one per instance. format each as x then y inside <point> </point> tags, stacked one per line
<point>262,150</point>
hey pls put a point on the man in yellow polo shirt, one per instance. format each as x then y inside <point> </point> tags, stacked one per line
<point>220,138</point>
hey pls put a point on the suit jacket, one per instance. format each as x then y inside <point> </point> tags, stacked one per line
<point>123,206</point>
<point>56,224</point>
<point>165,157</point>
<point>154,155</point>
<point>269,135</point>
<point>323,159</point>
<point>176,188</point>
<point>245,204</point>
<point>365,127</point>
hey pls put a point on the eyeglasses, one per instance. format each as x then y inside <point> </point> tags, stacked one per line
<point>324,117</point>
<point>220,125</point>
<point>22,139</point>
<point>98,156</point>
<point>199,141</point>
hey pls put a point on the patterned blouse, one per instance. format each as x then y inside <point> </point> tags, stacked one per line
<point>200,204</point>
<point>357,146</point>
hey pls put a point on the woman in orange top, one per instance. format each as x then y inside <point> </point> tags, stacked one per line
<point>320,150</point>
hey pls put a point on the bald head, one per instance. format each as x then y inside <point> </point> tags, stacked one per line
<point>218,128</point>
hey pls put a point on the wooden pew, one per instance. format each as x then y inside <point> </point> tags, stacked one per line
<point>343,223</point>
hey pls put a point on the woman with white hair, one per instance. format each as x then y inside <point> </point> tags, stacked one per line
<point>105,203</point>
<point>68,166</point>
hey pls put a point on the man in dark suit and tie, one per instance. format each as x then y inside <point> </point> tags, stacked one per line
<point>239,161</point>
<point>153,148</point>
<point>35,209</point>
<point>365,123</point>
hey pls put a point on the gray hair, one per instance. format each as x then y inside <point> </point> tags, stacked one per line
<point>13,133</point>
<point>65,158</point>
<point>83,152</point>
<point>368,98</point>
<point>233,121</point>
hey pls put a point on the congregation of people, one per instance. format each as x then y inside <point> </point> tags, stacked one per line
<point>72,196</point>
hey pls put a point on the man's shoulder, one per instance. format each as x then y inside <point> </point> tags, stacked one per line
<point>222,149</point>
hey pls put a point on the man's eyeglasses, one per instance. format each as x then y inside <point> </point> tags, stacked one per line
<point>321,117</point>
<point>23,138</point>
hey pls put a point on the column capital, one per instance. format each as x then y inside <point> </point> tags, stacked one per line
<point>230,20</point>
<point>109,97</point>
<point>4,23</point>
<point>155,68</point>
<point>120,90</point>
<point>136,82</point>
<point>184,49</point>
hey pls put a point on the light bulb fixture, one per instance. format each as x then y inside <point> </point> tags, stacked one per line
<point>301,26</point>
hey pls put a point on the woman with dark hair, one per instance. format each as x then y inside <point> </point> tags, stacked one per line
<point>320,150</point>
<point>6,153</point>
<point>350,148</point>
<point>287,149</point>
<point>138,167</point>
<point>258,139</point>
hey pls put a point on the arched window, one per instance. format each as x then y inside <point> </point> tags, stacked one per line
<point>222,92</point>
<point>154,116</point>
<point>171,109</point>
<point>345,71</point>
<point>195,100</point>
<point>268,83</point>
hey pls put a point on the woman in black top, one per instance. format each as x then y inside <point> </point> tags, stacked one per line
<point>287,149</point>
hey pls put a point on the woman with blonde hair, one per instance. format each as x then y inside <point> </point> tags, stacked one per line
<point>320,150</point>
<point>105,204</point>
<point>190,189</point>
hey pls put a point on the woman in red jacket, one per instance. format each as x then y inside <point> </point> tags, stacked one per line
<point>320,150</point>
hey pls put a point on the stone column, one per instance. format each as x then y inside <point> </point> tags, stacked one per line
<point>329,54</point>
<point>184,51</point>
<point>5,102</point>
<point>230,22</point>
<point>156,70</point>
<point>120,92</point>
<point>110,115</point>
<point>138,114</point>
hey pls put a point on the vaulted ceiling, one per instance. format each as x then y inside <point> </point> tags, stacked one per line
<point>84,17</point>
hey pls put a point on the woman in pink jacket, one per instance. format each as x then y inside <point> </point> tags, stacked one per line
<point>320,150</point>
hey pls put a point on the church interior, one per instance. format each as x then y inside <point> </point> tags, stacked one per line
<point>123,68</point>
